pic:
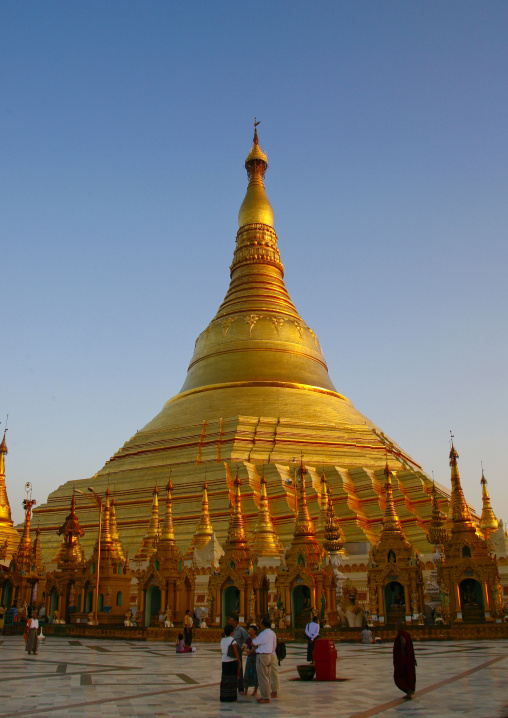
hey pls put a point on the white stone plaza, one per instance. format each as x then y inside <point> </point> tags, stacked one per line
<point>90,678</point>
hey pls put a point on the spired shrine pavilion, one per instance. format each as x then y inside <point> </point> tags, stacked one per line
<point>278,492</point>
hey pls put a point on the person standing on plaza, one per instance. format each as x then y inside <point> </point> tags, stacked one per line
<point>230,664</point>
<point>250,677</point>
<point>404,662</point>
<point>266,662</point>
<point>32,640</point>
<point>187,628</point>
<point>240,635</point>
<point>312,633</point>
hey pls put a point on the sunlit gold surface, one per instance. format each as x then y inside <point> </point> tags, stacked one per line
<point>257,391</point>
<point>265,541</point>
<point>149,543</point>
<point>488,521</point>
<point>70,553</point>
<point>9,537</point>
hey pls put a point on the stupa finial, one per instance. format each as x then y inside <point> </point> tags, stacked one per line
<point>488,521</point>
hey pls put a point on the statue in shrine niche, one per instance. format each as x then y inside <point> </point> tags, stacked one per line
<point>167,618</point>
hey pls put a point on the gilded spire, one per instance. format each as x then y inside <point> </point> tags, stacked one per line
<point>488,521</point>
<point>114,530</point>
<point>265,541</point>
<point>323,508</point>
<point>204,529</point>
<point>305,543</point>
<point>437,533</point>
<point>70,551</point>
<point>9,537</point>
<point>256,207</point>
<point>149,543</point>
<point>334,535</point>
<point>459,510</point>
<point>111,548</point>
<point>236,539</point>
<point>391,521</point>
<point>168,529</point>
<point>24,555</point>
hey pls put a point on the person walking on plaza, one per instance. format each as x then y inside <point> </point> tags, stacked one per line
<point>230,663</point>
<point>250,677</point>
<point>266,662</point>
<point>404,662</point>
<point>240,635</point>
<point>312,633</point>
<point>32,640</point>
<point>187,628</point>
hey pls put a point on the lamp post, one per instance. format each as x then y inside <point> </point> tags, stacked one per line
<point>97,500</point>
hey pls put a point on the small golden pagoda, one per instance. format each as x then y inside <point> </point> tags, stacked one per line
<point>230,587</point>
<point>166,587</point>
<point>394,571</point>
<point>303,584</point>
<point>150,539</point>
<point>204,529</point>
<point>488,521</point>
<point>23,582</point>
<point>9,537</point>
<point>108,563</point>
<point>265,542</point>
<point>468,575</point>
<point>114,530</point>
<point>61,583</point>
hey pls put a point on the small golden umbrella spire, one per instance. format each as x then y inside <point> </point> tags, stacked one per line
<point>168,529</point>
<point>391,521</point>
<point>265,541</point>
<point>70,551</point>
<point>236,535</point>
<point>334,535</point>
<point>459,510</point>
<point>114,530</point>
<point>9,537</point>
<point>204,529</point>
<point>488,521</point>
<point>304,543</point>
<point>256,207</point>
<point>150,539</point>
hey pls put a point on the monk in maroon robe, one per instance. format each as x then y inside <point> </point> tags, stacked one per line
<point>404,662</point>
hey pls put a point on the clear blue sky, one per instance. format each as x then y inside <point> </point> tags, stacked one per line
<point>124,127</point>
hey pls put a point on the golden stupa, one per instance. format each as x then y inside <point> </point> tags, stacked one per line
<point>257,392</point>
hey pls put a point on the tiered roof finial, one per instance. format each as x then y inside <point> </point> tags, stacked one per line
<point>204,529</point>
<point>24,554</point>
<point>9,537</point>
<point>391,521</point>
<point>334,535</point>
<point>488,521</point>
<point>168,529</point>
<point>459,510</point>
<point>37,552</point>
<point>265,541</point>
<point>150,539</point>
<point>114,530</point>
<point>256,207</point>
<point>236,539</point>
<point>70,549</point>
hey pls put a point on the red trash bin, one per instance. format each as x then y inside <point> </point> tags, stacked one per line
<point>325,659</point>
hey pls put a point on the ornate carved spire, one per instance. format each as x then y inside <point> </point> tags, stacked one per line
<point>323,508</point>
<point>305,543</point>
<point>114,530</point>
<point>9,537</point>
<point>168,529</point>
<point>391,523</point>
<point>24,555</point>
<point>149,543</point>
<point>70,551</point>
<point>111,549</point>
<point>265,541</point>
<point>488,521</point>
<point>204,529</point>
<point>334,535</point>
<point>459,510</point>
<point>437,533</point>
<point>236,539</point>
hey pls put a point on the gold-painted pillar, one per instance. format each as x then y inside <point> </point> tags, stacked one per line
<point>82,602</point>
<point>407,600</point>
<point>485,591</point>
<point>381,602</point>
<point>60,604</point>
<point>163,600</point>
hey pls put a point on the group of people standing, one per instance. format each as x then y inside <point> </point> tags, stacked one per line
<point>261,671</point>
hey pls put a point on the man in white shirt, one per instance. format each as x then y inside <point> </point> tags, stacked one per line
<point>266,662</point>
<point>312,633</point>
